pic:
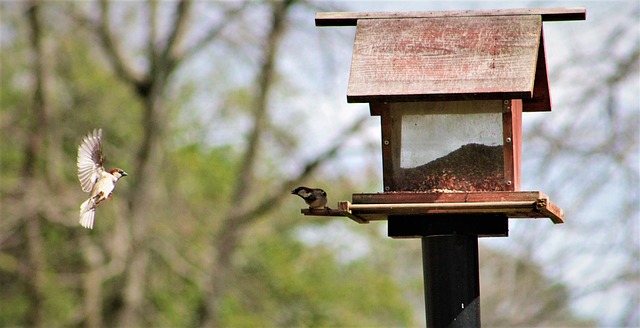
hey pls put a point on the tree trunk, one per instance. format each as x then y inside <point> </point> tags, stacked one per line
<point>145,193</point>
<point>92,284</point>
<point>35,263</point>
<point>226,240</point>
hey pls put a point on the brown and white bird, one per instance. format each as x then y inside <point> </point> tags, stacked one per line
<point>314,197</point>
<point>94,179</point>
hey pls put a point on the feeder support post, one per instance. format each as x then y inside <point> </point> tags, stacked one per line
<point>451,280</point>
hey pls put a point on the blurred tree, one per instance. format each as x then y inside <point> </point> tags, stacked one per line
<point>199,235</point>
<point>164,55</point>
<point>516,293</point>
<point>115,283</point>
<point>588,157</point>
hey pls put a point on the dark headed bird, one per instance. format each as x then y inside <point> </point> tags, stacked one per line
<point>314,197</point>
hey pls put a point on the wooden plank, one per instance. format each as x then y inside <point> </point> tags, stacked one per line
<point>512,213</point>
<point>516,140</point>
<point>541,100</point>
<point>522,204</point>
<point>362,210</point>
<point>390,146</point>
<point>456,197</point>
<point>344,209</point>
<point>509,148</point>
<point>402,207</point>
<point>444,58</point>
<point>512,138</point>
<point>379,206</point>
<point>378,108</point>
<point>550,210</point>
<point>547,14</point>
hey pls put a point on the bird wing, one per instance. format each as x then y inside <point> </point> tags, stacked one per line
<point>90,160</point>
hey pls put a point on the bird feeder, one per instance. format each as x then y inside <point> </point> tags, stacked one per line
<point>450,89</point>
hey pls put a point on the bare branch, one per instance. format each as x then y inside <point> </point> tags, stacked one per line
<point>283,191</point>
<point>181,17</point>
<point>229,234</point>
<point>245,176</point>
<point>213,33</point>
<point>39,111</point>
<point>120,65</point>
<point>178,263</point>
<point>153,35</point>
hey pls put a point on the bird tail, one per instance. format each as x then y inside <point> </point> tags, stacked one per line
<point>87,213</point>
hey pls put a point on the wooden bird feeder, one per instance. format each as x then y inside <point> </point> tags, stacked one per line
<point>450,89</point>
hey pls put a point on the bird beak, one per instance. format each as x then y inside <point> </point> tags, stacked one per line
<point>124,174</point>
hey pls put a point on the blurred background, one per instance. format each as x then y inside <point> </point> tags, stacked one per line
<point>218,109</point>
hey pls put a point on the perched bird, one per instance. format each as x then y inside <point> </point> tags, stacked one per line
<point>94,179</point>
<point>314,197</point>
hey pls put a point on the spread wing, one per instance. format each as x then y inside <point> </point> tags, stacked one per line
<point>90,159</point>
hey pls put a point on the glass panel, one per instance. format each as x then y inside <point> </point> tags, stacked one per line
<point>449,146</point>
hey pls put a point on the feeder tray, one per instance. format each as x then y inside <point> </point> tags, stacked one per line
<point>366,207</point>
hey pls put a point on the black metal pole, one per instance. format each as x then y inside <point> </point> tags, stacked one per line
<point>451,280</point>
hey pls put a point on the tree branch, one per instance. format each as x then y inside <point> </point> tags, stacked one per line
<point>152,53</point>
<point>265,77</point>
<point>120,65</point>
<point>212,34</point>
<point>226,240</point>
<point>283,191</point>
<point>170,55</point>
<point>35,262</point>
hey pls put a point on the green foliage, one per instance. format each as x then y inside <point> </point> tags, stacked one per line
<point>205,174</point>
<point>286,283</point>
<point>14,302</point>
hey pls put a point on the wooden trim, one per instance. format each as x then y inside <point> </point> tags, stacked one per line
<point>470,206</point>
<point>390,145</point>
<point>541,100</point>
<point>453,197</point>
<point>413,97</point>
<point>507,140</point>
<point>547,14</point>
<point>512,139</point>
<point>537,208</point>
<point>424,206</point>
<point>516,141</point>
<point>376,108</point>
<point>552,211</point>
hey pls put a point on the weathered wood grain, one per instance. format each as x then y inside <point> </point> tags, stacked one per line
<point>541,100</point>
<point>368,207</point>
<point>454,197</point>
<point>491,57</point>
<point>512,138</point>
<point>351,18</point>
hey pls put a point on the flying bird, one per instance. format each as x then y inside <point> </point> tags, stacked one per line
<point>316,198</point>
<point>94,179</point>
